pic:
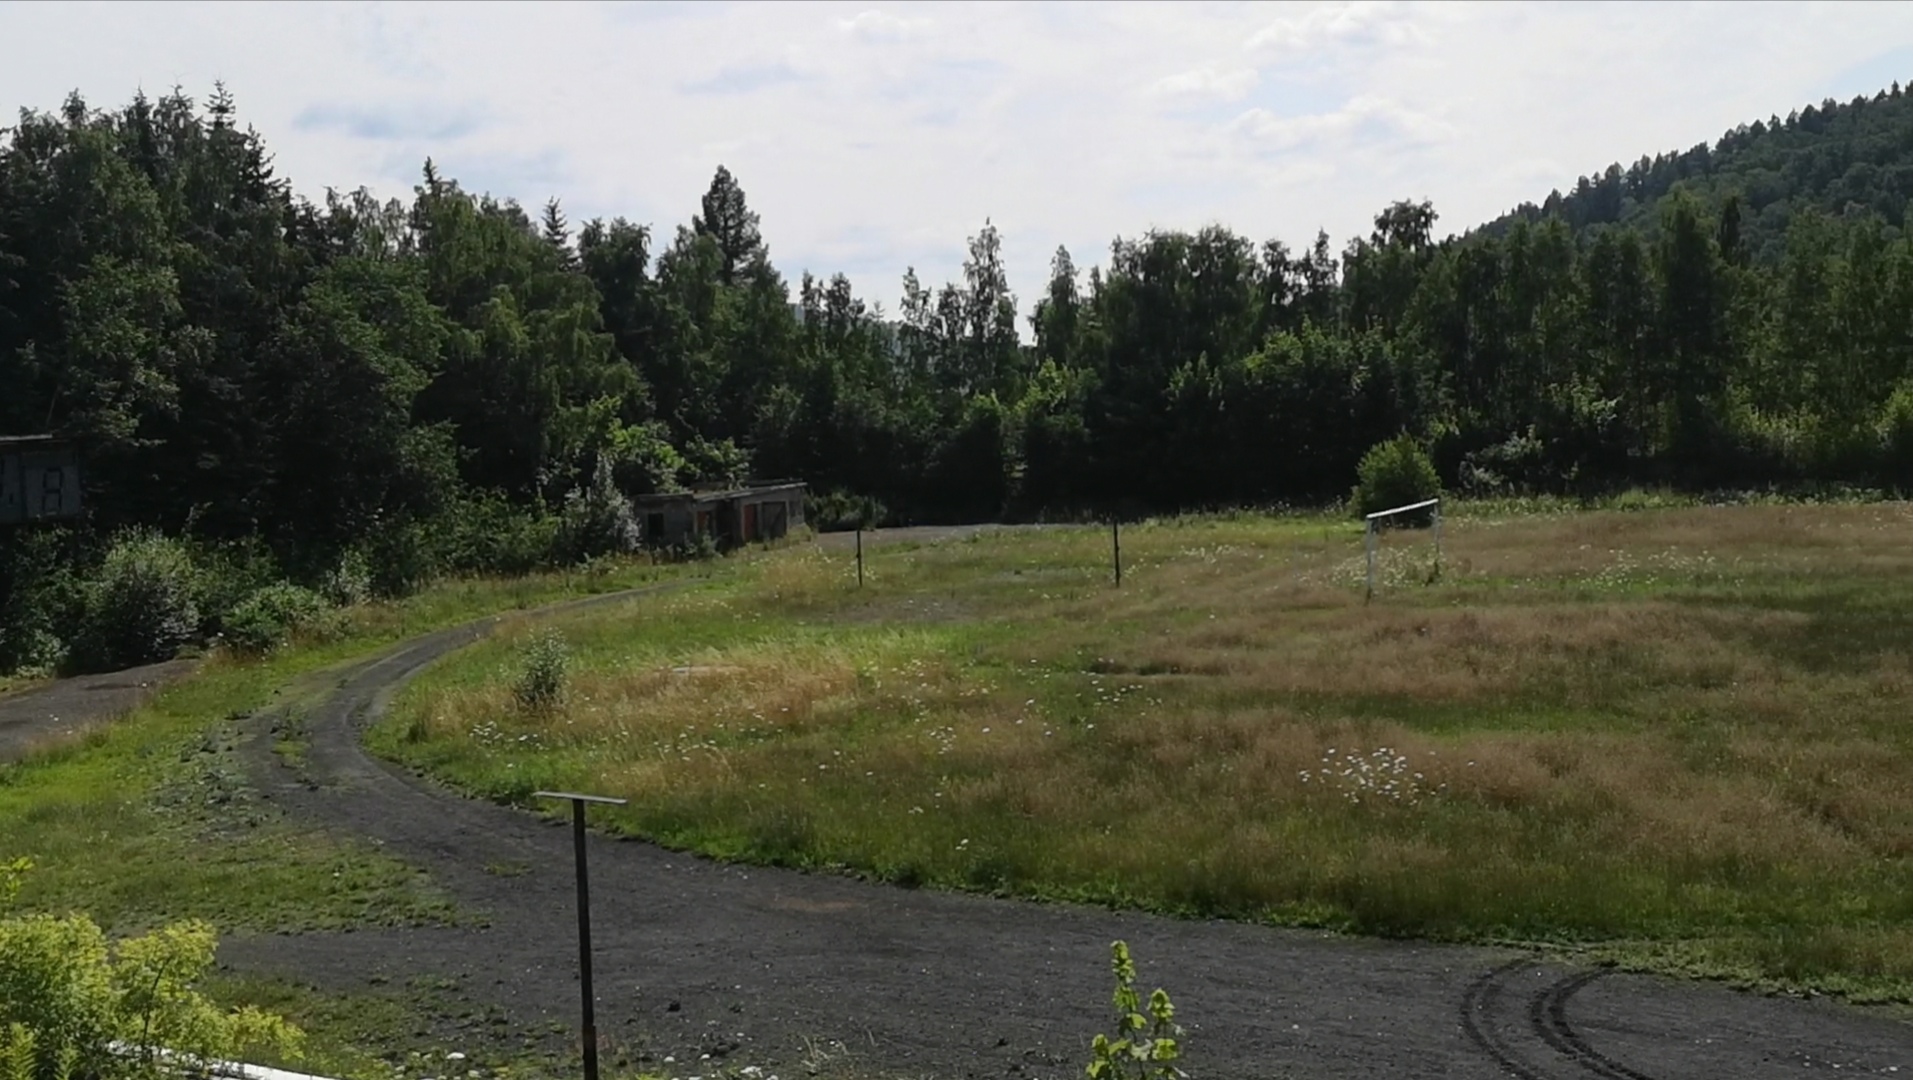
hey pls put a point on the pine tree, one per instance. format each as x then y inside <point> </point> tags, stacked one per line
<point>557,233</point>
<point>729,221</point>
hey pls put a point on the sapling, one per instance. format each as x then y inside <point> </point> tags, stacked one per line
<point>1146,1047</point>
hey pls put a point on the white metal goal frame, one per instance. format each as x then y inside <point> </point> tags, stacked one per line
<point>1372,523</point>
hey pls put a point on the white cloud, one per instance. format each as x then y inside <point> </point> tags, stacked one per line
<point>1360,22</point>
<point>1365,121</point>
<point>1207,83</point>
<point>882,26</point>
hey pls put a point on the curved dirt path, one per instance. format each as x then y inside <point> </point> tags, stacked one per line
<point>777,968</point>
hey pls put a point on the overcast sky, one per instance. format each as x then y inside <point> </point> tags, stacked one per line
<point>875,136</point>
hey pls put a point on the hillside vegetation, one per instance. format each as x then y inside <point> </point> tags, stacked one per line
<point>378,390</point>
<point>1837,159</point>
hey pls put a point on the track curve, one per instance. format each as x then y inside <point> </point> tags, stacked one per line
<point>765,966</point>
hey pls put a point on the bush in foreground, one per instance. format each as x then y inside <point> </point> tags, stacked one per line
<point>73,1006</point>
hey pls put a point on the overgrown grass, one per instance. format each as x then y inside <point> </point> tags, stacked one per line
<point>13,684</point>
<point>151,819</point>
<point>412,1028</point>
<point>1676,734</point>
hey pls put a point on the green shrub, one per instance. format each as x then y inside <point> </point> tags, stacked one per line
<point>11,873</point>
<point>1896,438</point>
<point>141,606</point>
<point>486,534</point>
<point>698,547</point>
<point>1394,473</point>
<point>400,557</point>
<point>71,1006</point>
<point>224,575</point>
<point>269,617</point>
<point>75,1007</point>
<point>1509,467</point>
<point>41,598</point>
<point>349,581</point>
<point>540,683</point>
<point>841,511</point>
<point>596,520</point>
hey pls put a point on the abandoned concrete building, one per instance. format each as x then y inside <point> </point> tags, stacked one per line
<point>745,515</point>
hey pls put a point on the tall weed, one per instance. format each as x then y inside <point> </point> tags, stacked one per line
<point>540,684</point>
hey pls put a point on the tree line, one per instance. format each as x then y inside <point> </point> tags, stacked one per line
<point>452,382</point>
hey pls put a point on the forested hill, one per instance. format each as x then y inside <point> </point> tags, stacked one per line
<point>1836,158</point>
<point>446,382</point>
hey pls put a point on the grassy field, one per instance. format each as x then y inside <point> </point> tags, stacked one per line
<point>151,819</point>
<point>1673,736</point>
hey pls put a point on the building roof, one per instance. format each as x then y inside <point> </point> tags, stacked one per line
<point>720,494</point>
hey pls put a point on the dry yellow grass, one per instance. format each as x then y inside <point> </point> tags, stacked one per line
<point>1681,727</point>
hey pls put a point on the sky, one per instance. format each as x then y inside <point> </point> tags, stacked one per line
<point>872,137</point>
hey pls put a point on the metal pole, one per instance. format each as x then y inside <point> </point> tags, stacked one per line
<point>1116,548</point>
<point>1438,541</point>
<point>584,919</point>
<point>1368,541</point>
<point>860,556</point>
<point>584,939</point>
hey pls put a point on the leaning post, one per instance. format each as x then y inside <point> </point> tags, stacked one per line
<point>584,917</point>
<point>860,556</point>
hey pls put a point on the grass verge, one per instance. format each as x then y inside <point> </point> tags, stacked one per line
<point>151,818</point>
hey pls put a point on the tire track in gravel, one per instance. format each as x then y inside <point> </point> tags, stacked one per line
<point>1547,1014</point>
<point>765,966</point>
<point>1528,1041</point>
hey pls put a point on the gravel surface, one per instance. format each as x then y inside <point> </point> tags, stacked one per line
<point>774,968</point>
<point>69,707</point>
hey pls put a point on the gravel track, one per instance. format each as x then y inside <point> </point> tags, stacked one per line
<point>774,968</point>
<point>70,707</point>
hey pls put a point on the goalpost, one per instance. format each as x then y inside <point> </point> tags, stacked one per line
<point>1373,524</point>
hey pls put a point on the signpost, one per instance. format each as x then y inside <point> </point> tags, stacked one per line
<point>584,917</point>
<point>39,479</point>
<point>1372,522</point>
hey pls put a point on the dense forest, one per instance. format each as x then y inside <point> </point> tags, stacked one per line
<point>451,382</point>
